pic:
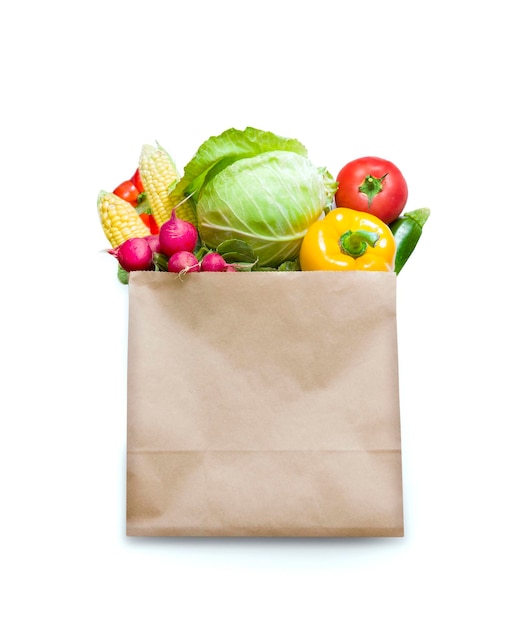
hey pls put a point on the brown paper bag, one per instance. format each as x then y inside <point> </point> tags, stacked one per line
<point>263,404</point>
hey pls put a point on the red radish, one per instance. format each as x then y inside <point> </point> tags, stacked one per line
<point>177,235</point>
<point>231,268</point>
<point>183,262</point>
<point>133,254</point>
<point>153,242</point>
<point>213,262</point>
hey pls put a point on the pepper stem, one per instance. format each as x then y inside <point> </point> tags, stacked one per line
<point>355,243</point>
<point>371,187</point>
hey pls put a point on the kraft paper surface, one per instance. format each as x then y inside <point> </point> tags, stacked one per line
<point>263,404</point>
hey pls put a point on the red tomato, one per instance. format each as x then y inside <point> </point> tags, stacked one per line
<point>150,222</point>
<point>136,179</point>
<point>128,191</point>
<point>372,185</point>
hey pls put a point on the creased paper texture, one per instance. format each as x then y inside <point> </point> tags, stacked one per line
<point>263,404</point>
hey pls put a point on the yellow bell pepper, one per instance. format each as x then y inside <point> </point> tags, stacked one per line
<point>348,240</point>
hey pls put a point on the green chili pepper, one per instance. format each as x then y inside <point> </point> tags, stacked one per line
<point>407,230</point>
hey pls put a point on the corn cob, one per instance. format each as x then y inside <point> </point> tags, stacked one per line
<point>158,174</point>
<point>119,219</point>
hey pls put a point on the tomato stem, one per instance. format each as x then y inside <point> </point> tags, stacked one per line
<point>355,243</point>
<point>371,187</point>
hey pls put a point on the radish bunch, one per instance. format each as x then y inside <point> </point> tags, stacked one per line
<point>177,243</point>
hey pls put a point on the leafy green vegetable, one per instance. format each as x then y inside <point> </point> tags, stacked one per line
<point>122,275</point>
<point>289,266</point>
<point>160,262</point>
<point>258,188</point>
<point>235,250</point>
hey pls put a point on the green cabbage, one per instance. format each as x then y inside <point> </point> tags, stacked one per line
<point>256,187</point>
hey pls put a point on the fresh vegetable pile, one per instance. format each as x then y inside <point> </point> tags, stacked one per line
<point>253,201</point>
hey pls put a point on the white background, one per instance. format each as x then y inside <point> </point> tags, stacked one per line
<point>432,87</point>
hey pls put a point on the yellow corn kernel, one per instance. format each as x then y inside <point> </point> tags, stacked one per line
<point>119,219</point>
<point>158,172</point>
